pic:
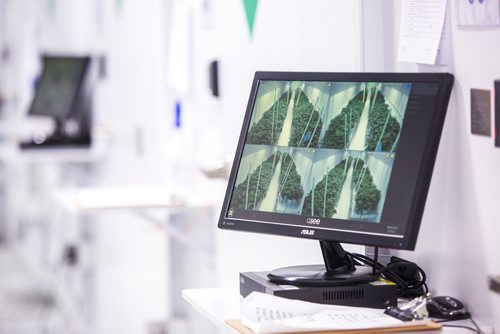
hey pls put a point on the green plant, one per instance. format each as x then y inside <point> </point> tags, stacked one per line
<point>358,165</point>
<point>367,194</point>
<point>383,128</point>
<point>306,123</point>
<point>249,193</point>
<point>269,127</point>
<point>290,180</point>
<point>325,193</point>
<point>342,126</point>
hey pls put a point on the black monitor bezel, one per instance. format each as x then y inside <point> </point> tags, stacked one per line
<point>45,58</point>
<point>428,148</point>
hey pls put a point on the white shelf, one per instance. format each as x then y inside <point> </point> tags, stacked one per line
<point>126,197</point>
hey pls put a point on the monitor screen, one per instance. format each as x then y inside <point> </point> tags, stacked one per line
<point>58,86</point>
<point>345,157</point>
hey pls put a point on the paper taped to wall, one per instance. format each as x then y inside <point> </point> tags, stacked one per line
<point>420,32</point>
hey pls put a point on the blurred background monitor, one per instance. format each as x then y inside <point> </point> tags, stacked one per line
<point>63,94</point>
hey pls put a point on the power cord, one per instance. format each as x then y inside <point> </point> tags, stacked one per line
<point>408,276</point>
<point>476,328</point>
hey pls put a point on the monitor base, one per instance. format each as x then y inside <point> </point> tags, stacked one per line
<point>340,268</point>
<point>317,275</point>
<point>54,143</point>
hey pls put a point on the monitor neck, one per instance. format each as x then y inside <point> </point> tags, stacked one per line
<point>336,259</point>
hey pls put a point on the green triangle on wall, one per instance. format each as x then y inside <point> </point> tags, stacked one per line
<point>119,4</point>
<point>250,10</point>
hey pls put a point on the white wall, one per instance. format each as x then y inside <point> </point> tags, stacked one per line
<point>319,35</point>
<point>128,279</point>
<point>131,254</point>
<point>294,35</point>
<point>458,242</point>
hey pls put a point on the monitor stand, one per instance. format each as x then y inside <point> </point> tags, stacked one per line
<point>339,269</point>
<point>60,139</point>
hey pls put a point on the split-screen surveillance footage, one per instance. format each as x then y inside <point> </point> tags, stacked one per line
<point>322,149</point>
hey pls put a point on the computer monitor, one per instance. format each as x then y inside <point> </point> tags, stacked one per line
<point>337,157</point>
<point>63,94</point>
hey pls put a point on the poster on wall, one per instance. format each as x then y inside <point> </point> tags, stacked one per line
<point>478,13</point>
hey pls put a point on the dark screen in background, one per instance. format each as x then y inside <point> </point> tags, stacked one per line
<point>58,87</point>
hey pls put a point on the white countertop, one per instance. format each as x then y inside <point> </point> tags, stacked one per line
<point>217,305</point>
<point>127,197</point>
<point>220,304</point>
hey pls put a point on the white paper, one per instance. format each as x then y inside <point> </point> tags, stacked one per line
<point>420,33</point>
<point>443,56</point>
<point>270,314</point>
<point>478,13</point>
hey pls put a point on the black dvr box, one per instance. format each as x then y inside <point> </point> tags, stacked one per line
<point>377,294</point>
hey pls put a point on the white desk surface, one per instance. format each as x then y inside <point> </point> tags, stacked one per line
<point>126,197</point>
<point>12,152</point>
<point>220,304</point>
<point>217,305</point>
<point>139,199</point>
<point>61,154</point>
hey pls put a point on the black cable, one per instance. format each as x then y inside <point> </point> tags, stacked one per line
<point>408,285</point>
<point>466,327</point>
<point>375,260</point>
<point>475,324</point>
<point>363,259</point>
<point>476,330</point>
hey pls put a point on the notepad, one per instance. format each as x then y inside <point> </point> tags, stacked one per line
<point>262,313</point>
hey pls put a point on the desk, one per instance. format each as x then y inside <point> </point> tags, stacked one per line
<point>137,199</point>
<point>182,219</point>
<point>220,304</point>
<point>123,197</point>
<point>217,305</point>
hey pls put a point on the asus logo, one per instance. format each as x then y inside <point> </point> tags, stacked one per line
<point>313,221</point>
<point>307,232</point>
